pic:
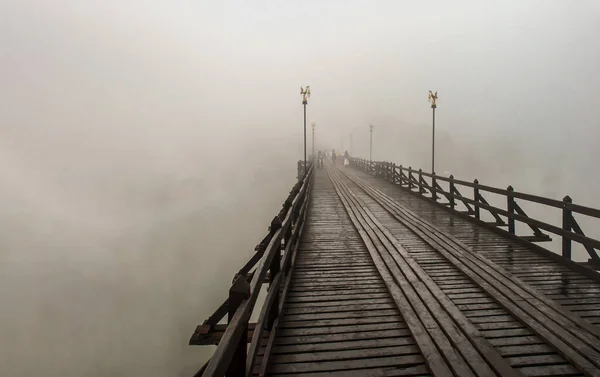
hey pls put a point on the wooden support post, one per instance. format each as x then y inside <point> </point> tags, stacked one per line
<point>451,189</point>
<point>387,171</point>
<point>394,174</point>
<point>410,181</point>
<point>510,206</point>
<point>400,175</point>
<point>239,291</point>
<point>433,188</point>
<point>421,189</point>
<point>567,224</point>
<point>476,198</point>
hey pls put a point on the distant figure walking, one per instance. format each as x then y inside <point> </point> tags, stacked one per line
<point>346,158</point>
<point>320,159</point>
<point>333,156</point>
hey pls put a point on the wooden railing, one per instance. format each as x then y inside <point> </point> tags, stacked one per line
<point>272,262</point>
<point>428,185</point>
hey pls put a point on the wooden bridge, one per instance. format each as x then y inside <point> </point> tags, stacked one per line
<point>380,270</point>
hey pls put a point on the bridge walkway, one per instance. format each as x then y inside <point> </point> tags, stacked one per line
<point>386,283</point>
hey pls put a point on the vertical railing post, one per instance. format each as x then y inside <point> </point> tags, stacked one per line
<point>433,188</point>
<point>452,189</point>
<point>510,207</point>
<point>387,171</point>
<point>410,181</point>
<point>239,291</point>
<point>400,175</point>
<point>421,189</point>
<point>476,198</point>
<point>567,224</point>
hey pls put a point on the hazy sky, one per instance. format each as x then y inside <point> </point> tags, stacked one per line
<point>124,124</point>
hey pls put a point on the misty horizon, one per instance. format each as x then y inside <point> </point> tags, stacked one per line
<point>138,137</point>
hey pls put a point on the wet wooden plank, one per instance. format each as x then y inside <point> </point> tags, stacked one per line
<point>355,329</point>
<point>413,371</point>
<point>338,305</point>
<point>338,309</point>
<point>495,246</point>
<point>340,355</point>
<point>343,337</point>
<point>336,297</point>
<point>397,361</point>
<point>344,345</point>
<point>519,307</point>
<point>423,337</point>
<point>341,315</point>
<point>419,297</point>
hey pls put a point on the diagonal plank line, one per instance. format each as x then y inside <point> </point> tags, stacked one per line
<point>424,302</point>
<point>426,286</point>
<point>559,328</point>
<point>433,357</point>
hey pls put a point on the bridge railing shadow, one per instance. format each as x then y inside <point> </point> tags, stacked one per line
<point>272,262</point>
<point>504,219</point>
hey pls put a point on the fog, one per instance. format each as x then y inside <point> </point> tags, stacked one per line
<point>145,145</point>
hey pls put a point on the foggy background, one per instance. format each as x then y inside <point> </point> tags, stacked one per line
<point>145,145</point>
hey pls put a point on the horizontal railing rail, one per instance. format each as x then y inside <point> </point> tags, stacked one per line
<point>428,185</point>
<point>273,258</point>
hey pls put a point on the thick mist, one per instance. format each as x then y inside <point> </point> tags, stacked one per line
<point>146,145</point>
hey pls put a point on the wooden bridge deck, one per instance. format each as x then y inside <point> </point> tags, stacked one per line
<point>386,283</point>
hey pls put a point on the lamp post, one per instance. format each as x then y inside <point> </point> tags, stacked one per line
<point>305,96</point>
<point>371,145</point>
<point>314,125</point>
<point>432,98</point>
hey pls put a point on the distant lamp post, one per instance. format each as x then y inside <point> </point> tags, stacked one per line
<point>314,125</point>
<point>305,96</point>
<point>371,145</point>
<point>432,98</point>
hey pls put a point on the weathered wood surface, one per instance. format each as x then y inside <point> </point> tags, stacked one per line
<point>573,290</point>
<point>573,339</point>
<point>387,284</point>
<point>339,317</point>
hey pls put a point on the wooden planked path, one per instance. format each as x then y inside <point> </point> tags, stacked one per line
<point>387,284</point>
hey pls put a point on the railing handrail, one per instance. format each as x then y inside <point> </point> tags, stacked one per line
<point>243,294</point>
<point>589,211</point>
<point>570,230</point>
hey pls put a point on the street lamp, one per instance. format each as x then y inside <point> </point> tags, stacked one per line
<point>305,96</point>
<point>432,98</point>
